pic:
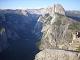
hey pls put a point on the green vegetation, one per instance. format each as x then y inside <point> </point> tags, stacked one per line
<point>60,19</point>
<point>38,43</point>
<point>74,26</point>
<point>69,37</point>
<point>0,29</point>
<point>58,22</point>
<point>78,49</point>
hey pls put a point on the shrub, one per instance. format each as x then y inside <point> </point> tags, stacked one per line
<point>74,26</point>
<point>78,49</point>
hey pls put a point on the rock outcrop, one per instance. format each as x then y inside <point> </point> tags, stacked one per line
<point>58,32</point>
<point>55,32</point>
<point>52,54</point>
<point>57,8</point>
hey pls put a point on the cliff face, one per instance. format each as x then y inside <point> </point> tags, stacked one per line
<point>3,40</point>
<point>58,32</point>
<point>16,25</point>
<point>57,8</point>
<point>3,36</point>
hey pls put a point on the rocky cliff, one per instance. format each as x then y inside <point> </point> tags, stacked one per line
<point>58,32</point>
<point>3,36</point>
<point>16,25</point>
<point>57,8</point>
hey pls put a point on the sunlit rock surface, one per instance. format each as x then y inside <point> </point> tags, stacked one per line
<point>57,8</point>
<point>50,54</point>
<point>59,39</point>
<point>57,31</point>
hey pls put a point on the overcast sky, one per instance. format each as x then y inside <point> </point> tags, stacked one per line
<point>24,4</point>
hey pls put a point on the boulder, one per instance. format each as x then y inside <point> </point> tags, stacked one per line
<point>53,54</point>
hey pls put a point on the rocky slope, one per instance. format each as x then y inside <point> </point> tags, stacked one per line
<point>58,32</point>
<point>57,29</point>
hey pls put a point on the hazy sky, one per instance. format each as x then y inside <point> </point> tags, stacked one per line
<point>15,4</point>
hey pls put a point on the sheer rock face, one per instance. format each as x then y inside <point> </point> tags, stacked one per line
<point>16,25</point>
<point>57,8</point>
<point>50,54</point>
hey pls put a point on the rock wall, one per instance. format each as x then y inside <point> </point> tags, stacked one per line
<point>57,33</point>
<point>57,8</point>
<point>3,36</point>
